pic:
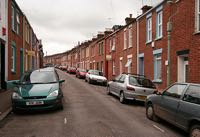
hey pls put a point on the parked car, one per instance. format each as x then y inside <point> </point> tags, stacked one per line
<point>71,70</point>
<point>81,73</point>
<point>38,90</point>
<point>96,76</point>
<point>131,87</point>
<point>179,104</point>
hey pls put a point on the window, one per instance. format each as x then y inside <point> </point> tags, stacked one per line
<point>13,58</point>
<point>129,65</point>
<point>193,94</point>
<point>18,22</point>
<point>198,15</point>
<point>122,79</point>
<point>175,91</point>
<point>13,18</point>
<point>149,30</point>
<point>110,45</point>
<point>130,41</point>
<point>159,24</point>
<point>157,67</point>
<point>113,67</point>
<point>125,39</point>
<point>114,43</point>
<point>117,78</point>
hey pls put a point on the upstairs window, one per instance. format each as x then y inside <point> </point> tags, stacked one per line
<point>159,23</point>
<point>130,41</point>
<point>125,39</point>
<point>13,57</point>
<point>13,18</point>
<point>149,30</point>
<point>18,22</point>
<point>114,43</point>
<point>197,16</point>
<point>110,44</point>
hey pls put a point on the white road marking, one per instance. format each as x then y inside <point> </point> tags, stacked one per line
<point>65,120</point>
<point>159,128</point>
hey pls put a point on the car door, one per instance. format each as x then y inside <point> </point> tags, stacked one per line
<point>189,106</point>
<point>113,84</point>
<point>170,100</point>
<point>120,84</point>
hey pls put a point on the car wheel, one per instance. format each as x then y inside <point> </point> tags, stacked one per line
<point>85,80</point>
<point>108,90</point>
<point>195,131</point>
<point>122,98</point>
<point>89,81</point>
<point>150,113</point>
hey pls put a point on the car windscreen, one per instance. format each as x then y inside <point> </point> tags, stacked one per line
<point>96,72</point>
<point>37,77</point>
<point>143,82</point>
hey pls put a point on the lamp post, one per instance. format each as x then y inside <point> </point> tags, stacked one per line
<point>169,30</point>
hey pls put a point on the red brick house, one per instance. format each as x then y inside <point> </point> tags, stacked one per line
<point>15,41</point>
<point>184,43</point>
<point>121,50</point>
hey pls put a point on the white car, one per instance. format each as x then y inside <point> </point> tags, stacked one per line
<point>95,76</point>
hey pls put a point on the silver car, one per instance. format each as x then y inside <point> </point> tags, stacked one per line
<point>131,87</point>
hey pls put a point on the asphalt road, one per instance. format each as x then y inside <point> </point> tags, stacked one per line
<point>88,112</point>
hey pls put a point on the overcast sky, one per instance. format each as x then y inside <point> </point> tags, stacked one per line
<point>62,23</point>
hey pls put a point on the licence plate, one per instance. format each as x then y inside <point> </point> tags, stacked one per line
<point>141,97</point>
<point>34,103</point>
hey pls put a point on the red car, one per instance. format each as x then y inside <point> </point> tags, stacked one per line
<point>71,70</point>
<point>81,73</point>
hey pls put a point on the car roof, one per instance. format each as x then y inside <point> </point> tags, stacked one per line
<point>187,83</point>
<point>48,69</point>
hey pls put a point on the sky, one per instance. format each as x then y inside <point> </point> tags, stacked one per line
<point>61,24</point>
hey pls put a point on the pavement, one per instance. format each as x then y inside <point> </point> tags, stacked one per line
<point>5,103</point>
<point>88,112</point>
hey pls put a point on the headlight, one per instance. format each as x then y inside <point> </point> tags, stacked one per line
<point>53,94</point>
<point>16,96</point>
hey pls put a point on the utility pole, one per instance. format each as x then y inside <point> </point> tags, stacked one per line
<point>169,29</point>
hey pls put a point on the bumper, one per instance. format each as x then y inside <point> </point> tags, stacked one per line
<point>99,81</point>
<point>49,104</point>
<point>135,96</point>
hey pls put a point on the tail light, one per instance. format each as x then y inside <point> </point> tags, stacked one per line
<point>130,88</point>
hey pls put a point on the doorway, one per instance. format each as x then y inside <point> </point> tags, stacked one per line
<point>2,66</point>
<point>183,68</point>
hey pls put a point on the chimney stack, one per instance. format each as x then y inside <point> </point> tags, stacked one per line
<point>145,8</point>
<point>129,19</point>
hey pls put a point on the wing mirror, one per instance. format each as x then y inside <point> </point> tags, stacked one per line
<point>61,81</point>
<point>15,82</point>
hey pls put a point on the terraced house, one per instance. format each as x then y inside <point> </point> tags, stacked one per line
<point>13,47</point>
<point>3,42</point>
<point>163,43</point>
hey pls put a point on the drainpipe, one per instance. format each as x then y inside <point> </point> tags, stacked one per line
<point>137,45</point>
<point>169,30</point>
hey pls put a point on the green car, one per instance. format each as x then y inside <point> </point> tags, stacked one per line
<point>38,90</point>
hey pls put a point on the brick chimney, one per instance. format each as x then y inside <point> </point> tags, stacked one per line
<point>108,31</point>
<point>145,8</point>
<point>129,19</point>
<point>100,35</point>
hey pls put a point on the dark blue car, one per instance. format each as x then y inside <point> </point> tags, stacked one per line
<point>179,104</point>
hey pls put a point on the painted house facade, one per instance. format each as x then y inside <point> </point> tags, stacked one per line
<point>3,42</point>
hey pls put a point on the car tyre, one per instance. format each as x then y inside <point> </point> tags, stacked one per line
<point>85,80</point>
<point>150,113</point>
<point>89,81</point>
<point>195,130</point>
<point>108,90</point>
<point>122,98</point>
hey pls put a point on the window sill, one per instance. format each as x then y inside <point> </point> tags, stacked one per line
<point>13,72</point>
<point>130,47</point>
<point>157,81</point>
<point>196,33</point>
<point>125,49</point>
<point>159,38</point>
<point>149,42</point>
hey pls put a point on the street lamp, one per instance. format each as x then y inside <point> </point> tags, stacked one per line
<point>169,30</point>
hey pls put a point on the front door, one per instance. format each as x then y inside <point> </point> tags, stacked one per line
<point>2,66</point>
<point>183,68</point>
<point>21,62</point>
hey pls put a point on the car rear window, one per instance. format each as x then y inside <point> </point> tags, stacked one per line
<point>142,82</point>
<point>96,72</point>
